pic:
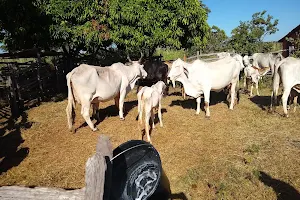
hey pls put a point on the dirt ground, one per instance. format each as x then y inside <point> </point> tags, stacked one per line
<point>246,153</point>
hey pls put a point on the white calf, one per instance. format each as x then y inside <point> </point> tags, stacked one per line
<point>149,98</point>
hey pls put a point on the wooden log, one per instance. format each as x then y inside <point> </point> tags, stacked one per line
<point>97,178</point>
<point>39,193</point>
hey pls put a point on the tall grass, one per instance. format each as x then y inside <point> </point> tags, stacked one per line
<point>170,54</point>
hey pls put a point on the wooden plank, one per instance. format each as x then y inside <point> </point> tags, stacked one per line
<point>39,193</point>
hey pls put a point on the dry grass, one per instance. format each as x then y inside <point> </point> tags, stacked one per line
<point>246,153</point>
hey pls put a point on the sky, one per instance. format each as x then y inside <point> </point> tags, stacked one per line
<point>226,14</point>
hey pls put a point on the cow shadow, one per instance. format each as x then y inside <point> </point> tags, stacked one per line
<point>110,111</point>
<point>11,154</point>
<point>190,103</point>
<point>263,102</point>
<point>163,192</point>
<point>283,190</point>
<point>175,94</point>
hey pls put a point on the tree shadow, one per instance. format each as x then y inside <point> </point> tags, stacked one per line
<point>5,112</point>
<point>282,189</point>
<point>10,151</point>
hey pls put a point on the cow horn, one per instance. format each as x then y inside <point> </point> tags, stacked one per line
<point>140,60</point>
<point>128,58</point>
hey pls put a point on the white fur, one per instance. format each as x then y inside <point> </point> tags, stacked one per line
<point>149,98</point>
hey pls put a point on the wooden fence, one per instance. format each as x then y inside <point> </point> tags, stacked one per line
<point>24,83</point>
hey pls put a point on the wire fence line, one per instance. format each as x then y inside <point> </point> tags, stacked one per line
<point>209,57</point>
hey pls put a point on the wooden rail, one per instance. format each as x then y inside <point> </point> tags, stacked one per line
<point>97,172</point>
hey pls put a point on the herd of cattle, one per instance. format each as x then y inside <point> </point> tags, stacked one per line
<point>89,85</point>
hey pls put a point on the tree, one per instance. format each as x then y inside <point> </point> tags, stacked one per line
<point>248,36</point>
<point>217,40</point>
<point>23,25</point>
<point>296,43</point>
<point>77,25</point>
<point>140,25</point>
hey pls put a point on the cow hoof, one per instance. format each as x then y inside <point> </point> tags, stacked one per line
<point>286,115</point>
<point>95,129</point>
<point>122,119</point>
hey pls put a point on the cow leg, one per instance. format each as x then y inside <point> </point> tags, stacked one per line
<point>206,103</point>
<point>152,118</point>
<point>183,92</point>
<point>251,94</point>
<point>96,110</point>
<point>233,96</point>
<point>256,85</point>
<point>198,100</point>
<point>295,103</point>
<point>159,115</point>
<point>284,98</point>
<point>121,104</point>
<point>85,112</point>
<point>69,110</point>
<point>275,87</point>
<point>117,100</point>
<point>147,127</point>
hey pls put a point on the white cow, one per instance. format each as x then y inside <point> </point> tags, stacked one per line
<point>286,71</point>
<point>149,98</point>
<point>252,74</point>
<point>200,78</point>
<point>264,62</point>
<point>89,84</point>
<point>223,54</point>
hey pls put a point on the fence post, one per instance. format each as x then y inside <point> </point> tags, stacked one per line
<point>198,55</point>
<point>98,171</point>
<point>13,101</point>
<point>184,57</point>
<point>18,90</point>
<point>38,59</point>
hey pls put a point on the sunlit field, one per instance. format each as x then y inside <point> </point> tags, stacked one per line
<point>247,153</point>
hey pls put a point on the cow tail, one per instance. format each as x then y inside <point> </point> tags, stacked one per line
<point>71,102</point>
<point>275,84</point>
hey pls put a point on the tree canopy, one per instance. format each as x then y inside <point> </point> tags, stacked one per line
<point>248,36</point>
<point>144,24</point>
<point>217,40</point>
<point>23,25</point>
<point>92,24</point>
